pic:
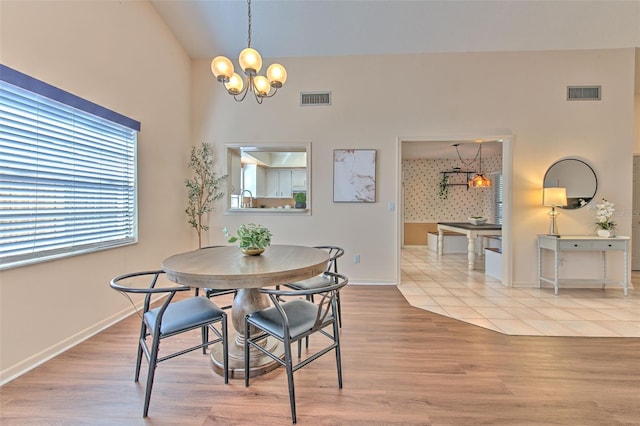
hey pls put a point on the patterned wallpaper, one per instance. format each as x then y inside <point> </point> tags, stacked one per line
<point>421,178</point>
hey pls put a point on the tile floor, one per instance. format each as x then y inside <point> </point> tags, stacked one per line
<point>445,286</point>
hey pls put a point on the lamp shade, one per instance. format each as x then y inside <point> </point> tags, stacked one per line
<point>235,84</point>
<point>222,68</point>
<point>250,61</point>
<point>277,75</point>
<point>479,181</point>
<point>261,85</point>
<point>554,197</point>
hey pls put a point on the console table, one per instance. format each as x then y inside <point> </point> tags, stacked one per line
<point>582,243</point>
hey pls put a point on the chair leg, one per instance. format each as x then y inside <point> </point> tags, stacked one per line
<point>339,309</point>
<point>225,349</point>
<point>205,338</point>
<point>336,339</point>
<point>289,366</point>
<point>143,332</point>
<point>138,362</point>
<point>306,340</point>
<point>153,361</point>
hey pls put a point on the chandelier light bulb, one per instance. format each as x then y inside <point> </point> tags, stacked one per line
<point>250,61</point>
<point>277,75</point>
<point>235,84</point>
<point>261,86</point>
<point>222,68</point>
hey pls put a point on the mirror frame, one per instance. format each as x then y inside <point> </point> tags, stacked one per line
<point>587,171</point>
<point>230,148</point>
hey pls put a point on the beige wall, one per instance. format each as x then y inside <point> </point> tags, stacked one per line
<point>518,93</point>
<point>637,104</point>
<point>119,55</point>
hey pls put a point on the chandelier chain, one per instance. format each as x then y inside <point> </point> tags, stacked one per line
<point>469,163</point>
<point>249,31</point>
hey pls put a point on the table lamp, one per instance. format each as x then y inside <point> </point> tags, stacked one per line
<point>554,197</point>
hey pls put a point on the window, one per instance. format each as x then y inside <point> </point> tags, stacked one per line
<point>67,173</point>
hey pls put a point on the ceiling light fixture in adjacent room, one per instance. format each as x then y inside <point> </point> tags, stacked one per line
<point>479,180</point>
<point>251,63</point>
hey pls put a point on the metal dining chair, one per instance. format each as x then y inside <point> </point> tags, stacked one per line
<point>323,280</point>
<point>170,319</point>
<point>293,320</point>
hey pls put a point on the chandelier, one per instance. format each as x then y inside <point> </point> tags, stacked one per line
<point>479,180</point>
<point>251,63</point>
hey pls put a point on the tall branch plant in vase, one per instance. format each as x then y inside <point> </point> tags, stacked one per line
<point>203,189</point>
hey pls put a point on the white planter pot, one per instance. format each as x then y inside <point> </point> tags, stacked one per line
<point>605,233</point>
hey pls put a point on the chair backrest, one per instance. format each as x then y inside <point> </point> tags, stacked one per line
<point>324,297</point>
<point>334,253</point>
<point>118,284</point>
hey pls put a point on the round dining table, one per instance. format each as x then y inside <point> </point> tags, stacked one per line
<point>226,267</point>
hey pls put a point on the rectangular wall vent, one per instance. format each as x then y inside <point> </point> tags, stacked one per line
<point>583,93</point>
<point>315,98</point>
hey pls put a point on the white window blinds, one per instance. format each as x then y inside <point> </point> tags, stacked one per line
<point>67,177</point>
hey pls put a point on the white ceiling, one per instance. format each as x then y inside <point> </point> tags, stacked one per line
<point>446,149</point>
<point>294,28</point>
<point>291,28</point>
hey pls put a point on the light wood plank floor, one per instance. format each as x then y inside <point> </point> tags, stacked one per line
<point>402,366</point>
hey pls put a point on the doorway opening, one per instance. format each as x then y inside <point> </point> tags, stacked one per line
<point>443,147</point>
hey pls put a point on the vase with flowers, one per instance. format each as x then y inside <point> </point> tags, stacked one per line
<point>604,225</point>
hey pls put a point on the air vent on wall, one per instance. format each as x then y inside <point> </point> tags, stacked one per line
<point>583,93</point>
<point>315,98</point>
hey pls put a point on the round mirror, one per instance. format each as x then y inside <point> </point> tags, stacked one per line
<point>575,175</point>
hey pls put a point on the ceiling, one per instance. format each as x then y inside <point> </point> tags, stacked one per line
<point>301,28</point>
<point>293,28</point>
<point>446,149</point>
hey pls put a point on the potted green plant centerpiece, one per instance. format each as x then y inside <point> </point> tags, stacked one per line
<point>301,200</point>
<point>253,239</point>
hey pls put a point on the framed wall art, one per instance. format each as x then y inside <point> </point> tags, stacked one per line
<point>354,176</point>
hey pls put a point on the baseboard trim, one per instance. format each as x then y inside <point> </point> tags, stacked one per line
<point>45,355</point>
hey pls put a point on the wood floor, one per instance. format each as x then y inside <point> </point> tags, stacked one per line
<point>402,366</point>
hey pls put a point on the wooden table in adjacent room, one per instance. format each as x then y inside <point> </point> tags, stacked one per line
<point>226,267</point>
<point>471,231</point>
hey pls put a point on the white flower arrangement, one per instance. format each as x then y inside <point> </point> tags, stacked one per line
<point>603,215</point>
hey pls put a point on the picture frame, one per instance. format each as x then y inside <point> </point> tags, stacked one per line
<point>354,176</point>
